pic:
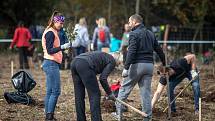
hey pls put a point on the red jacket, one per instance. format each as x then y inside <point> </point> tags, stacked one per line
<point>21,37</point>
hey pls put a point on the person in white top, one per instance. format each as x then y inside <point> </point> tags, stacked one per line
<point>82,38</point>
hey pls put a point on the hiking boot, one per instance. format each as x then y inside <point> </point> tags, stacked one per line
<point>50,117</point>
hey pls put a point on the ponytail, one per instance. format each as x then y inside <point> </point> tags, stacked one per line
<point>51,20</point>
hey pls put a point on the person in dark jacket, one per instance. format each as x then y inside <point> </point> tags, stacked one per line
<point>138,67</point>
<point>179,69</point>
<point>84,69</point>
<point>63,39</point>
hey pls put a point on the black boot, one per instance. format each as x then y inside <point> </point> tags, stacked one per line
<point>50,117</point>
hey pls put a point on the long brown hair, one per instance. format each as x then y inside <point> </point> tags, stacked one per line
<point>51,21</point>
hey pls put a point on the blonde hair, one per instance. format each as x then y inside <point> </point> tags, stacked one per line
<point>102,22</point>
<point>82,22</point>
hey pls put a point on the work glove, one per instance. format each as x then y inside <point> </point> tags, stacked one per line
<point>194,74</point>
<point>65,46</point>
<point>111,96</point>
<point>124,73</point>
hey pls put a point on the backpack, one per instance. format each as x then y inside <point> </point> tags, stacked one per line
<point>23,82</point>
<point>101,35</point>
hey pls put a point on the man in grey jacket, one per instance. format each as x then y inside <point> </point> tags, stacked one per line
<point>139,65</point>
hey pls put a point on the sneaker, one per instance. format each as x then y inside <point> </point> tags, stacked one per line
<point>116,116</point>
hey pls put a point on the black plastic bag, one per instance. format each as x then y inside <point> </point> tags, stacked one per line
<point>17,97</point>
<point>23,81</point>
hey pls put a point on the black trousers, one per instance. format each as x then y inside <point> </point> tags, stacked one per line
<point>84,77</point>
<point>79,50</point>
<point>23,58</point>
<point>62,65</point>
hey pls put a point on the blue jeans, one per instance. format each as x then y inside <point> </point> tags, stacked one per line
<point>51,69</point>
<point>173,82</point>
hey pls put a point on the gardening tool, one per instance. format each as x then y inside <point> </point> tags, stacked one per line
<point>131,107</point>
<point>200,109</point>
<point>167,77</point>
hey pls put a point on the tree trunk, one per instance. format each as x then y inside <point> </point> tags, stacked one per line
<point>203,8</point>
<point>201,38</point>
<point>194,37</point>
<point>147,12</point>
<point>109,11</point>
<point>125,10</point>
<point>137,6</point>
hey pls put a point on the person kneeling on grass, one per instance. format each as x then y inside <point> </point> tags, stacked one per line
<point>84,69</point>
<point>179,69</point>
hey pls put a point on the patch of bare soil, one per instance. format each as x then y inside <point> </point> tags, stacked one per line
<point>65,110</point>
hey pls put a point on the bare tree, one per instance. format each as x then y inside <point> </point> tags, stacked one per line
<point>137,6</point>
<point>109,11</point>
<point>147,12</point>
<point>201,11</point>
<point>125,10</point>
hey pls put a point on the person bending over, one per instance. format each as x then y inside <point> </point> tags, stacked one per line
<point>84,69</point>
<point>179,69</point>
